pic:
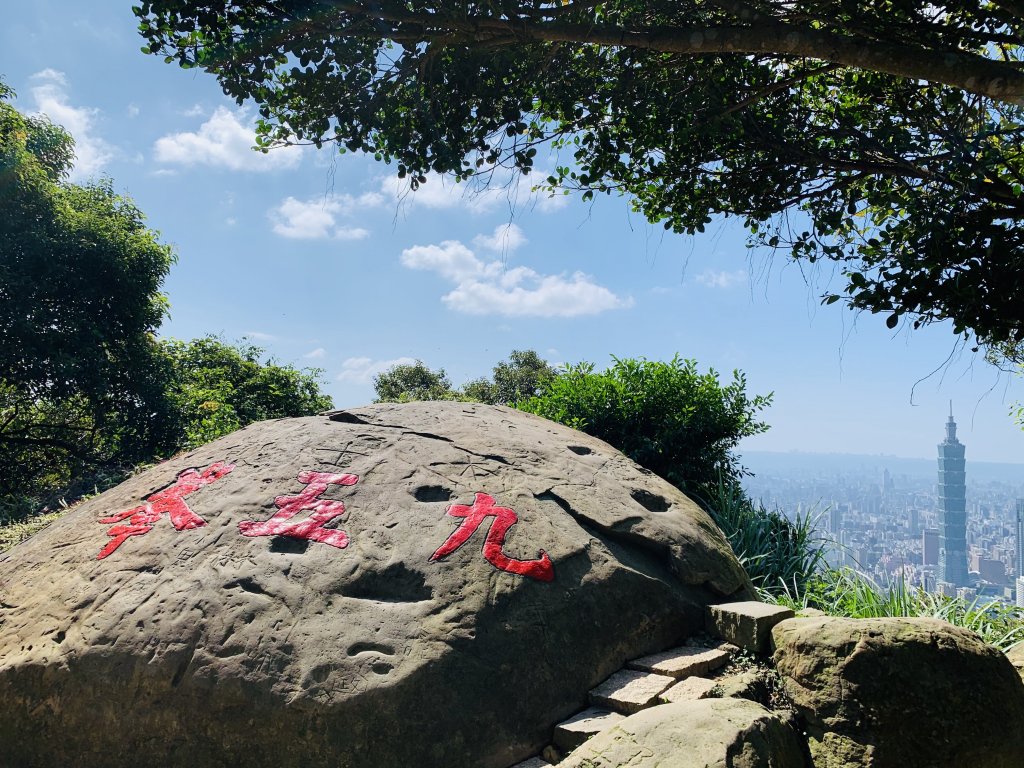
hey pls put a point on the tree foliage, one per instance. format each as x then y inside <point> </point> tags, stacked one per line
<point>666,416</point>
<point>522,376</point>
<point>886,137</point>
<point>406,382</point>
<point>217,388</point>
<point>85,387</point>
<point>80,299</point>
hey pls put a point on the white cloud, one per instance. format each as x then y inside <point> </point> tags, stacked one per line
<point>51,75</point>
<point>315,354</point>
<point>50,94</point>
<point>361,370</point>
<point>260,336</point>
<point>726,280</point>
<point>317,218</point>
<point>505,239</point>
<point>225,140</point>
<point>451,259</point>
<point>133,110</point>
<point>490,289</point>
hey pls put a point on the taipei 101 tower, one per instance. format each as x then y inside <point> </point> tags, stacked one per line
<point>952,508</point>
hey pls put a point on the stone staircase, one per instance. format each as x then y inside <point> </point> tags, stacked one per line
<point>697,669</point>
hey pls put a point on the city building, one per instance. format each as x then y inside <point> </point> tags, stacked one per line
<point>952,508</point>
<point>1019,562</point>
<point>835,521</point>
<point>930,546</point>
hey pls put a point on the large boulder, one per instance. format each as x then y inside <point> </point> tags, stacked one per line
<point>901,693</point>
<point>430,584</point>
<point>707,733</point>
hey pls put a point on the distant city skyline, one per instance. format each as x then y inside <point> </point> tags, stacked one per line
<point>886,521</point>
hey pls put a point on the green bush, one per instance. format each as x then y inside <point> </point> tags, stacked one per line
<point>667,417</point>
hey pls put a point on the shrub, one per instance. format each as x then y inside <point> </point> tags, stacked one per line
<point>780,555</point>
<point>667,417</point>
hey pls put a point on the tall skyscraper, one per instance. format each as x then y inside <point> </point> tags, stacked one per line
<point>1019,563</point>
<point>952,508</point>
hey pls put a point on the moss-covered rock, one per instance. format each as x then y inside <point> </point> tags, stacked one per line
<point>901,693</point>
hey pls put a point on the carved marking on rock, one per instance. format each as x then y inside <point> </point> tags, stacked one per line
<point>504,518</point>
<point>140,519</point>
<point>322,511</point>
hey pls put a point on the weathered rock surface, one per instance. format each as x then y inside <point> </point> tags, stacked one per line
<point>689,689</point>
<point>747,624</point>
<point>1016,657</point>
<point>629,691</point>
<point>577,729</point>
<point>682,662</point>
<point>709,733</point>
<point>901,693</point>
<point>429,584</point>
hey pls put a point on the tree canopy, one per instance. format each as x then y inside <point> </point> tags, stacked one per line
<point>519,378</point>
<point>80,278</point>
<point>216,388</point>
<point>86,388</point>
<point>890,131</point>
<point>522,376</point>
<point>405,382</point>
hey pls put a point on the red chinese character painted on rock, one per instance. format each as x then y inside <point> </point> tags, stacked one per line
<point>140,519</point>
<point>312,527</point>
<point>504,518</point>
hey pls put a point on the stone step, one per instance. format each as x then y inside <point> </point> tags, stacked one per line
<point>628,691</point>
<point>681,662</point>
<point>690,689</point>
<point>576,730</point>
<point>746,624</point>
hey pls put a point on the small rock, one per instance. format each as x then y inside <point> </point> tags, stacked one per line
<point>690,689</point>
<point>629,691</point>
<point>694,734</point>
<point>810,613</point>
<point>681,662</point>
<point>551,755</point>
<point>747,624</point>
<point>747,684</point>
<point>533,762</point>
<point>729,648</point>
<point>576,730</point>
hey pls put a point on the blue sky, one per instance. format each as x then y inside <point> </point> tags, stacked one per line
<point>322,260</point>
